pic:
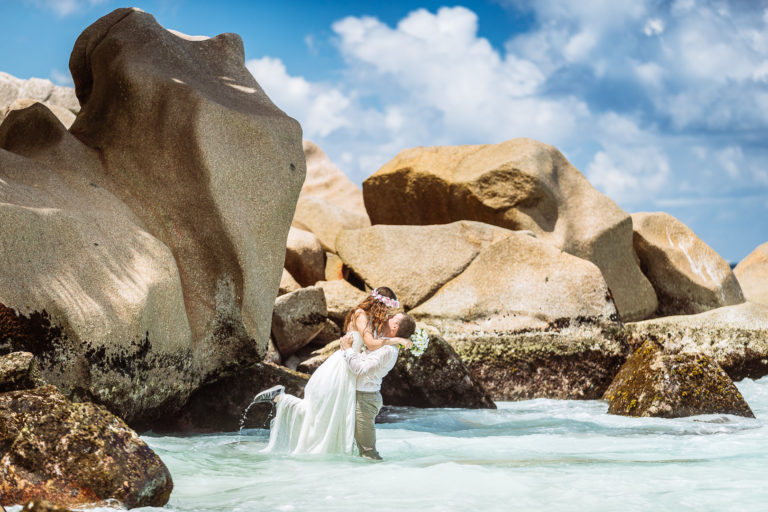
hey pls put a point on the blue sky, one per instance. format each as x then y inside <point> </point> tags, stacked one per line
<point>663,105</point>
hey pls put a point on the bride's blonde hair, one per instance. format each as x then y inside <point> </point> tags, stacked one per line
<point>375,308</point>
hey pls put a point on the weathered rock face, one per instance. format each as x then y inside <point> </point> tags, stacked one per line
<point>530,321</point>
<point>437,378</point>
<point>304,257</point>
<point>219,407</point>
<point>298,317</point>
<point>287,283</point>
<point>415,261</point>
<point>318,357</point>
<point>341,297</point>
<point>735,337</point>
<point>326,220</point>
<point>18,371</point>
<point>152,265</point>
<point>752,273</point>
<point>74,453</point>
<point>520,184</point>
<point>689,276</point>
<point>326,181</point>
<point>654,383</point>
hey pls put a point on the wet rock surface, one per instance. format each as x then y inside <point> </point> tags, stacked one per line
<point>437,378</point>
<point>655,383</point>
<point>219,407</point>
<point>735,337</point>
<point>74,453</point>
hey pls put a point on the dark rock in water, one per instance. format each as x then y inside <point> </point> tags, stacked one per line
<point>570,363</point>
<point>655,383</point>
<point>18,371</point>
<point>736,337</point>
<point>437,378</point>
<point>298,317</point>
<point>42,506</point>
<point>74,453</point>
<point>219,407</point>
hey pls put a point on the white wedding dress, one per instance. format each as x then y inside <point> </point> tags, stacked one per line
<point>324,420</point>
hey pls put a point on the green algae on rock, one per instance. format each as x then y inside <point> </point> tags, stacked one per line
<point>74,453</point>
<point>655,383</point>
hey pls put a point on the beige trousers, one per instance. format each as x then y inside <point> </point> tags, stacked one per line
<point>368,406</point>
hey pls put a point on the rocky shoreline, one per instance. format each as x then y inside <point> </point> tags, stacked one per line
<point>174,253</point>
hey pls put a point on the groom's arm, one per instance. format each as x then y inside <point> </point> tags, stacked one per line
<point>361,364</point>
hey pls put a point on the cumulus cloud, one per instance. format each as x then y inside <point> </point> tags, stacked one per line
<point>655,101</point>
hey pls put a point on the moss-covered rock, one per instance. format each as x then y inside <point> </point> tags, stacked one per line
<point>570,362</point>
<point>74,453</point>
<point>655,383</point>
<point>438,378</point>
<point>736,337</point>
<point>18,371</point>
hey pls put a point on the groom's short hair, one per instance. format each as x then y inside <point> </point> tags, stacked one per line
<point>406,327</point>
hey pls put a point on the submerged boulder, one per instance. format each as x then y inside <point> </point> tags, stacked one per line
<point>147,242</point>
<point>415,261</point>
<point>655,383</point>
<point>221,406</point>
<point>519,184</point>
<point>437,378</point>
<point>73,454</point>
<point>752,273</point>
<point>735,337</point>
<point>530,321</point>
<point>688,275</point>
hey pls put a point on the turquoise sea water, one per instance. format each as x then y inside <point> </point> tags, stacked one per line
<point>532,455</point>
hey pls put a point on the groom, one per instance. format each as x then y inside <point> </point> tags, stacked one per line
<point>370,368</point>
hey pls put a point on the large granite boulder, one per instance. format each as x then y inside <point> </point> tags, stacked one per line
<point>147,249</point>
<point>221,406</point>
<point>341,297</point>
<point>297,318</point>
<point>304,257</point>
<point>326,181</point>
<point>437,378</point>
<point>326,220</point>
<point>73,454</point>
<point>752,273</point>
<point>688,275</point>
<point>530,321</point>
<point>520,184</point>
<point>655,383</point>
<point>735,337</point>
<point>415,261</point>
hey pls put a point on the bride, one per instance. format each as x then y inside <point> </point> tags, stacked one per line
<point>324,421</point>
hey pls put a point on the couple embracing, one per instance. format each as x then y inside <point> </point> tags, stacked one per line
<point>342,398</point>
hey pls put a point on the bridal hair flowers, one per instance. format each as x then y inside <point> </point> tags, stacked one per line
<point>390,303</point>
<point>420,340</point>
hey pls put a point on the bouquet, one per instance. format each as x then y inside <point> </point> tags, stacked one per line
<point>420,340</point>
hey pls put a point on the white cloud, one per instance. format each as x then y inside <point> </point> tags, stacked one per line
<point>65,7</point>
<point>321,109</point>
<point>62,78</point>
<point>653,27</point>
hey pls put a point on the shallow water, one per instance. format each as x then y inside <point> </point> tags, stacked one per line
<point>532,455</point>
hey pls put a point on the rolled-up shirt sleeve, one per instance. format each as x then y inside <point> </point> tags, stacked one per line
<point>378,361</point>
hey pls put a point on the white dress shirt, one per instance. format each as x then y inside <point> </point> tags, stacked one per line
<point>371,366</point>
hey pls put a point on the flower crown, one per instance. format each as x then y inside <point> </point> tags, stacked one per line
<point>390,303</point>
